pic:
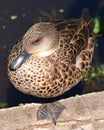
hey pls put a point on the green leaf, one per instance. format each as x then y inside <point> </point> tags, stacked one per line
<point>97,26</point>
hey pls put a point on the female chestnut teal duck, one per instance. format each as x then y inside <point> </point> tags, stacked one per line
<point>52,57</point>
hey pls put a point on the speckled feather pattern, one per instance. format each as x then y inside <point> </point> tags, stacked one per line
<point>55,74</point>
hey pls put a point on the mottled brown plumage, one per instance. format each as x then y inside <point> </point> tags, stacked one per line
<point>52,57</point>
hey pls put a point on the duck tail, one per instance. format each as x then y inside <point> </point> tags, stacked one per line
<point>88,19</point>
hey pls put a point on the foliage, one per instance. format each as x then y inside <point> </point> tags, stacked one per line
<point>3,105</point>
<point>97,73</point>
<point>97,26</point>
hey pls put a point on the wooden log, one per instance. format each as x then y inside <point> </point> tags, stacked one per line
<point>85,112</point>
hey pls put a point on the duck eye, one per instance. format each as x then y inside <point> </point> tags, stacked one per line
<point>36,41</point>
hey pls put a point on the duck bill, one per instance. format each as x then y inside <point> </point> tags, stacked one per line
<point>20,59</point>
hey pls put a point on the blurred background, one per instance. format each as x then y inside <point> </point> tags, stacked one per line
<point>15,19</point>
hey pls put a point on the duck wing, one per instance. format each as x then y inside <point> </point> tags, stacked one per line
<point>76,31</point>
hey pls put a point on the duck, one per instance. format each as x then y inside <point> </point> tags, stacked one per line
<point>51,58</point>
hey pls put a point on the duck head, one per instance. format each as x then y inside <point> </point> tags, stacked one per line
<point>40,40</point>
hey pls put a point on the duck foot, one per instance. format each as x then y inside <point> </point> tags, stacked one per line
<point>50,111</point>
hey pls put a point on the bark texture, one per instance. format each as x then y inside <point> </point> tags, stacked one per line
<point>84,112</point>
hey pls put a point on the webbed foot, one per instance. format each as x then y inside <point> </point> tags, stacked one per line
<point>50,111</point>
